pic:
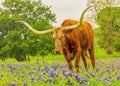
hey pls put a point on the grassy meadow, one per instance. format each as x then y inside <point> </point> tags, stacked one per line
<point>52,70</point>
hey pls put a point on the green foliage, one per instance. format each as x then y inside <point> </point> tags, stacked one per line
<point>15,39</point>
<point>109,22</point>
<point>116,44</point>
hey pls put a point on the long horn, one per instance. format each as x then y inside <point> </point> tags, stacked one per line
<point>80,21</point>
<point>33,30</point>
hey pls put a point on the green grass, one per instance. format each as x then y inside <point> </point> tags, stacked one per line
<point>101,54</point>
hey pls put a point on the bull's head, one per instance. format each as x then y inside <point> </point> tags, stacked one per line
<point>57,33</point>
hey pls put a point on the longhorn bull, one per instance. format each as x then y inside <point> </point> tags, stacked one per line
<point>73,39</point>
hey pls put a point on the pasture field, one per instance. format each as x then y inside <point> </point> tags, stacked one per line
<point>52,70</point>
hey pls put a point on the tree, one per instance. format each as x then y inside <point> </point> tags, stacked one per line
<point>106,15</point>
<point>15,36</point>
<point>108,19</point>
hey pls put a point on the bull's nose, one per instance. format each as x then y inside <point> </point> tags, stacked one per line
<point>57,51</point>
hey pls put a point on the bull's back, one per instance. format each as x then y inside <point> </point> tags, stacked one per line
<point>83,34</point>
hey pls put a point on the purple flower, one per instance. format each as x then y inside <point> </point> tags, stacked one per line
<point>84,80</point>
<point>118,77</point>
<point>2,65</point>
<point>13,84</point>
<point>88,76</point>
<point>106,79</point>
<point>70,73</point>
<point>9,84</point>
<point>63,71</point>
<point>56,74</point>
<point>77,78</point>
<point>25,84</point>
<point>39,68</point>
<point>97,69</point>
<point>32,79</point>
<point>50,80</point>
<point>52,73</point>
<point>71,83</point>
<point>41,77</point>
<point>92,74</point>
<point>30,73</point>
<point>66,75</point>
<point>54,67</point>
<point>107,70</point>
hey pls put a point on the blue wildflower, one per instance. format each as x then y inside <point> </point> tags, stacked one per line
<point>66,75</point>
<point>77,78</point>
<point>84,80</point>
<point>50,80</point>
<point>41,77</point>
<point>71,73</point>
<point>13,84</point>
<point>92,74</point>
<point>63,71</point>
<point>32,79</point>
<point>52,73</point>
<point>118,77</point>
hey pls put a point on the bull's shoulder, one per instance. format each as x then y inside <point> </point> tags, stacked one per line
<point>68,22</point>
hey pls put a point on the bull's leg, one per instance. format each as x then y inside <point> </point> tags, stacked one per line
<point>70,65</point>
<point>91,51</point>
<point>69,62</point>
<point>77,60</point>
<point>84,60</point>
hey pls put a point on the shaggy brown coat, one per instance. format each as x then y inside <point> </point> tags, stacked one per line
<point>77,42</point>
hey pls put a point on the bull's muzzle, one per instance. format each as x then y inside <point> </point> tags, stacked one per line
<point>58,51</point>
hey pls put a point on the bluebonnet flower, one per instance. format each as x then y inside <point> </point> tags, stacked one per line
<point>56,74</point>
<point>71,83</point>
<point>13,84</point>
<point>97,69</point>
<point>31,73</point>
<point>39,68</point>
<point>84,80</point>
<point>41,77</point>
<point>63,71</point>
<point>71,73</point>
<point>118,77</point>
<point>92,74</point>
<point>107,70</point>
<point>2,65</point>
<point>77,78</point>
<point>50,80</point>
<point>66,75</point>
<point>54,67</point>
<point>32,79</point>
<point>88,76</point>
<point>106,79</point>
<point>52,73</point>
<point>8,84</point>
